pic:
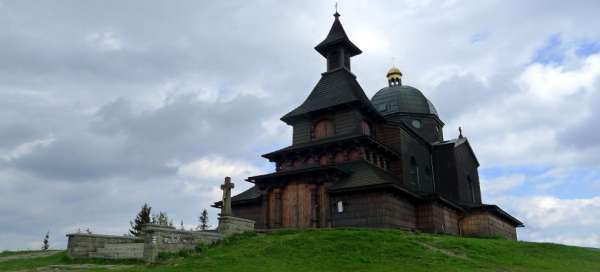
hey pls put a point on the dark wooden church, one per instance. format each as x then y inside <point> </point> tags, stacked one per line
<point>380,163</point>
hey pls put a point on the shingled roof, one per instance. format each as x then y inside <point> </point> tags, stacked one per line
<point>456,143</point>
<point>363,174</point>
<point>337,36</point>
<point>335,140</point>
<point>335,88</point>
<point>251,194</point>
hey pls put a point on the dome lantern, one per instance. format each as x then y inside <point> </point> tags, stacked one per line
<point>394,77</point>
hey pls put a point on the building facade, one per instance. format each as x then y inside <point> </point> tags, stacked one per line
<point>360,162</point>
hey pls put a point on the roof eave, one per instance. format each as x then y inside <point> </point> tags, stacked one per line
<point>324,45</point>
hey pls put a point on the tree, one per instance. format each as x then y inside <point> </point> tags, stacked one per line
<point>142,218</point>
<point>203,220</point>
<point>45,243</point>
<point>181,226</point>
<point>162,219</point>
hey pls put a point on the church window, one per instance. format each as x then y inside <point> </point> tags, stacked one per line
<point>471,188</point>
<point>340,157</point>
<point>324,160</point>
<point>366,128</point>
<point>416,123</point>
<point>323,129</point>
<point>340,207</point>
<point>414,170</point>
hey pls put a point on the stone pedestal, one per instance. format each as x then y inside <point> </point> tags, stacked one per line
<point>229,225</point>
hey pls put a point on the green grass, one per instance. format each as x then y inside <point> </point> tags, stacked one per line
<point>360,250</point>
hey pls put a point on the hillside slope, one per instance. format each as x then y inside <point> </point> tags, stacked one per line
<point>360,250</point>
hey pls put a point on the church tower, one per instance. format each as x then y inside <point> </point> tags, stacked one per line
<point>335,126</point>
<point>337,47</point>
<point>380,163</point>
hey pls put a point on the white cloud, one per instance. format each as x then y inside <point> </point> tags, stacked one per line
<point>106,40</point>
<point>578,239</point>
<point>552,219</point>
<point>274,127</point>
<point>514,113</point>
<point>28,148</point>
<point>502,184</point>
<point>216,167</point>
<point>552,83</point>
<point>523,126</point>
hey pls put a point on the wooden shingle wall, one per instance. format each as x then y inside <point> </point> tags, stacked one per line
<point>486,224</point>
<point>435,218</point>
<point>373,209</point>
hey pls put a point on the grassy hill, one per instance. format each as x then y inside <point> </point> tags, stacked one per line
<point>342,250</point>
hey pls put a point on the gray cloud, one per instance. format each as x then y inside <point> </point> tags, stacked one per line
<point>100,101</point>
<point>585,132</point>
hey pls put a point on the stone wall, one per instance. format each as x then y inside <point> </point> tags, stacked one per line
<point>229,225</point>
<point>433,217</point>
<point>486,224</point>
<point>119,251</point>
<point>159,239</point>
<point>80,245</point>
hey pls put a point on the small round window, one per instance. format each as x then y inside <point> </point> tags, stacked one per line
<point>416,123</point>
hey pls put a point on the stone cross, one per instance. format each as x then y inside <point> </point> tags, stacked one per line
<point>226,187</point>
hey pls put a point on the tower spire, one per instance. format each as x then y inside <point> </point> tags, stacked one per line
<point>337,47</point>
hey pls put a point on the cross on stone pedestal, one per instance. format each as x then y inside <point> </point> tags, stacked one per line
<point>226,187</point>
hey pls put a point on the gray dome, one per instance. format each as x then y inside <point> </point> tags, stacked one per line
<point>402,99</point>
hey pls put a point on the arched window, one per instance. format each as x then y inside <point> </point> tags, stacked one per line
<point>366,128</point>
<point>323,160</point>
<point>471,188</point>
<point>323,128</point>
<point>414,170</point>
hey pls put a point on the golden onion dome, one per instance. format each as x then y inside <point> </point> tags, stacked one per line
<point>394,73</point>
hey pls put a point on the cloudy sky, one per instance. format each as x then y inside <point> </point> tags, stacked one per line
<point>105,105</point>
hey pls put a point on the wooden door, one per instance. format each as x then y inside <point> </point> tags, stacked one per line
<point>297,206</point>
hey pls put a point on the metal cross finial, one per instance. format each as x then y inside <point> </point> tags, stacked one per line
<point>336,14</point>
